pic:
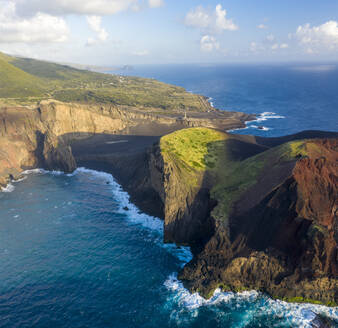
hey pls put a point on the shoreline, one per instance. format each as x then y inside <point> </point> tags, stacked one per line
<point>306,312</point>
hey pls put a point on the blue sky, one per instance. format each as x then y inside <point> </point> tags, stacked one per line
<point>118,32</point>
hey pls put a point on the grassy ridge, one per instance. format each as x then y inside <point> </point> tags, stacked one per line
<point>33,80</point>
<point>14,82</point>
<point>223,156</point>
<point>192,146</point>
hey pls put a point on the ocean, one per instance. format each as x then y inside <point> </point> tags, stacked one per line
<point>76,253</point>
<point>287,98</point>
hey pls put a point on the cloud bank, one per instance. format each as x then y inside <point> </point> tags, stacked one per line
<point>214,21</point>
<point>40,28</point>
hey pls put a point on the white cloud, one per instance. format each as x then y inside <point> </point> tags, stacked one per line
<point>40,28</point>
<point>208,43</point>
<point>318,38</point>
<point>270,37</point>
<point>198,18</point>
<point>155,3</point>
<point>275,46</point>
<point>94,23</point>
<point>82,7</point>
<point>213,21</point>
<point>261,47</point>
<point>222,23</point>
<point>262,26</point>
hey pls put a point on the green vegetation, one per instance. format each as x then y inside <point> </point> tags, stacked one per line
<point>15,82</point>
<point>192,147</point>
<point>300,299</point>
<point>197,151</point>
<point>28,81</point>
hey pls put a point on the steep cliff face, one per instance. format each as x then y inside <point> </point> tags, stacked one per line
<point>185,198</point>
<point>284,244</point>
<point>37,137</point>
<point>274,230</point>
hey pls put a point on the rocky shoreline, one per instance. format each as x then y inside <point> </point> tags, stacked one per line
<point>293,202</point>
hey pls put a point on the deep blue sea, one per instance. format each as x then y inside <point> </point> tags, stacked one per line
<point>73,256</point>
<point>288,98</point>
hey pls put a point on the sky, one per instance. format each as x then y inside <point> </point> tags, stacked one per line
<point>122,32</point>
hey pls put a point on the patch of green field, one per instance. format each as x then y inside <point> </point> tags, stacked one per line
<point>200,150</point>
<point>17,83</point>
<point>192,146</point>
<point>235,177</point>
<point>300,299</point>
<point>29,80</point>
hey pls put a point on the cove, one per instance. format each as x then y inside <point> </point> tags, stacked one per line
<point>76,253</point>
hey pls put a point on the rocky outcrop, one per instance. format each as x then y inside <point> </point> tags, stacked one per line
<point>284,244</point>
<point>40,136</point>
<point>186,207</point>
<point>281,235</point>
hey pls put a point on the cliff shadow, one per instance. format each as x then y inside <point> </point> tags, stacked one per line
<point>126,157</point>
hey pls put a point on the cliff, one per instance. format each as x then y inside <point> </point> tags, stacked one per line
<point>40,136</point>
<point>257,217</point>
<point>258,213</point>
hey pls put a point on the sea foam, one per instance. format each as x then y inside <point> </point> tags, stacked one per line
<point>293,314</point>
<point>260,118</point>
<point>8,188</point>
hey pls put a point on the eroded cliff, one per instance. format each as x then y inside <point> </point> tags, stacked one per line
<point>39,136</point>
<point>257,218</point>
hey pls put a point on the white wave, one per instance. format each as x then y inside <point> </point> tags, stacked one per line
<point>267,116</point>
<point>260,118</point>
<point>294,314</point>
<point>125,206</point>
<point>34,171</point>
<point>211,102</point>
<point>8,188</point>
<point>20,179</point>
<point>194,301</point>
<point>135,216</point>
<point>262,128</point>
<point>41,171</point>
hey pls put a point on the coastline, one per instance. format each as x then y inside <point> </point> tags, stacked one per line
<point>299,313</point>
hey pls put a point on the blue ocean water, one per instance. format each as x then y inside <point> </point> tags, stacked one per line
<point>72,256</point>
<point>289,98</point>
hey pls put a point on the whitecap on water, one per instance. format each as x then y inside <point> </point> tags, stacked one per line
<point>293,314</point>
<point>135,216</point>
<point>8,188</point>
<point>267,116</point>
<point>260,118</point>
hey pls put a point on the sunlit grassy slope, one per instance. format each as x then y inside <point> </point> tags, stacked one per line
<point>235,162</point>
<point>23,80</point>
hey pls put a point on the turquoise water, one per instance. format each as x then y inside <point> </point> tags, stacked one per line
<point>71,256</point>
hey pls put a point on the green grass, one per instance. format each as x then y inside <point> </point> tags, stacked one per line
<point>235,178</point>
<point>200,150</point>
<point>192,146</point>
<point>32,80</point>
<point>17,83</point>
<point>300,299</point>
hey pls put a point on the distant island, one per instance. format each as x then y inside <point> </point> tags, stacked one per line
<point>258,213</point>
